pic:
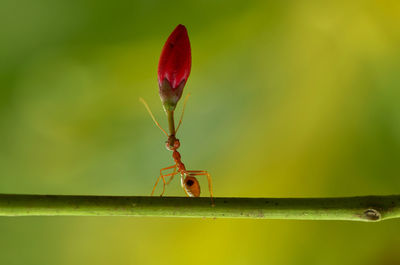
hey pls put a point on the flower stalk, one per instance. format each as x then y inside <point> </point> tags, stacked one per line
<point>171,122</point>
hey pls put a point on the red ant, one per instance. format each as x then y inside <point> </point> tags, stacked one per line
<point>189,183</point>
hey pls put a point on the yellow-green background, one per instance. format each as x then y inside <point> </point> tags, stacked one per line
<point>289,98</point>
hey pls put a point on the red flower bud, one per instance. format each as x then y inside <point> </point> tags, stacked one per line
<point>174,67</point>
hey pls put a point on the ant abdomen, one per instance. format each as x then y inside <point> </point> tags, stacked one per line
<point>192,186</point>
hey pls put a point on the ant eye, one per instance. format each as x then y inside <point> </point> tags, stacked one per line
<point>177,144</point>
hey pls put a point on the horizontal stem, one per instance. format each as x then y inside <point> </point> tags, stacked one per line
<point>366,208</point>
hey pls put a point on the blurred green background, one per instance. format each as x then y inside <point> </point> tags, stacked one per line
<point>289,99</point>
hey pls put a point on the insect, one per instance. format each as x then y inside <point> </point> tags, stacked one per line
<point>189,182</point>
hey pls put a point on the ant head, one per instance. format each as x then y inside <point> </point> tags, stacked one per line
<point>172,143</point>
<point>191,186</point>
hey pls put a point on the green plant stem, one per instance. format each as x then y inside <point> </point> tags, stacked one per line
<point>171,122</point>
<point>367,208</point>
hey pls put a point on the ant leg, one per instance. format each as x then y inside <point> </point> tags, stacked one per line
<point>183,111</point>
<point>152,116</point>
<point>164,183</point>
<point>161,176</point>
<point>165,168</point>
<point>172,176</point>
<point>204,173</point>
<point>155,185</point>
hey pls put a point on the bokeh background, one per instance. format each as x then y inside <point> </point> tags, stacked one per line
<point>289,99</point>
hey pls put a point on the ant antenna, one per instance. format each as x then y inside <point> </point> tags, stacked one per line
<point>152,116</point>
<point>183,111</point>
